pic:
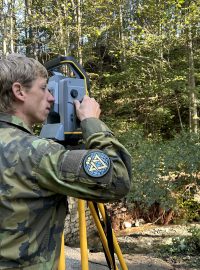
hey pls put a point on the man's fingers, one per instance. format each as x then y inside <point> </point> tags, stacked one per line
<point>77,103</point>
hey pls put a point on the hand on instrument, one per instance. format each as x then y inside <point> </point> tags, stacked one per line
<point>88,108</point>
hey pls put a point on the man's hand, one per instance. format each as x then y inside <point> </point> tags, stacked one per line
<point>87,108</point>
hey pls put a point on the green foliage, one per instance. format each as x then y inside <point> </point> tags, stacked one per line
<point>166,172</point>
<point>185,244</point>
<point>160,107</point>
<point>188,209</point>
<point>149,186</point>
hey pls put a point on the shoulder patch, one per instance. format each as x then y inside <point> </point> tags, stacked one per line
<point>96,164</point>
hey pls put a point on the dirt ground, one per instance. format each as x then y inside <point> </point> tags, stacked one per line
<point>140,248</point>
<point>97,261</point>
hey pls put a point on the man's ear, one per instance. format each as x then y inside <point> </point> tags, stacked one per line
<point>18,91</point>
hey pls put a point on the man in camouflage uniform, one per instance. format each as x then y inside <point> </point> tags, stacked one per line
<point>36,174</point>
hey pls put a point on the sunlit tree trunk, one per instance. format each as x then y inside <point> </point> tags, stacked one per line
<point>67,33</point>
<point>67,49</point>
<point>121,33</point>
<point>76,6</point>
<point>61,30</point>
<point>193,114</point>
<point>4,27</point>
<point>79,32</point>
<point>11,14</point>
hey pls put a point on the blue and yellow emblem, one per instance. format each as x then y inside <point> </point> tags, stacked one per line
<point>96,164</point>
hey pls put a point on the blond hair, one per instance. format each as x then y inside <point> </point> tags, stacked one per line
<point>17,68</point>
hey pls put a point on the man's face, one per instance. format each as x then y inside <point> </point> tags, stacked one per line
<point>37,102</point>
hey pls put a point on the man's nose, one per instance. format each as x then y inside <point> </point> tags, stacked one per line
<point>51,98</point>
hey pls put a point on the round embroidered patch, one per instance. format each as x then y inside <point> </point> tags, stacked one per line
<point>96,164</point>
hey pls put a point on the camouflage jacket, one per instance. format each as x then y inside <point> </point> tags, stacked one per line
<point>36,174</point>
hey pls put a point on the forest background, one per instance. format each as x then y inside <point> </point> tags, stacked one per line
<point>143,60</point>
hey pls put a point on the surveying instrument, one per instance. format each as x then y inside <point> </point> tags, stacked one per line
<point>68,81</point>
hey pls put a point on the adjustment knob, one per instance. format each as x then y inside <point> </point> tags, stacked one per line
<point>74,93</point>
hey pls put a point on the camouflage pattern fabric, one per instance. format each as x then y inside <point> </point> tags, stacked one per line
<point>36,174</point>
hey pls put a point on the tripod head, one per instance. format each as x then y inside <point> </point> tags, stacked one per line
<point>68,81</point>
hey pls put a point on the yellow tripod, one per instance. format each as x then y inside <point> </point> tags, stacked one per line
<point>83,238</point>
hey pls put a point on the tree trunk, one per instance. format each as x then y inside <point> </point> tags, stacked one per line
<point>11,7</point>
<point>30,33</point>
<point>67,32</point>
<point>4,28</point>
<point>193,114</point>
<point>79,32</point>
<point>61,30</point>
<point>121,34</point>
